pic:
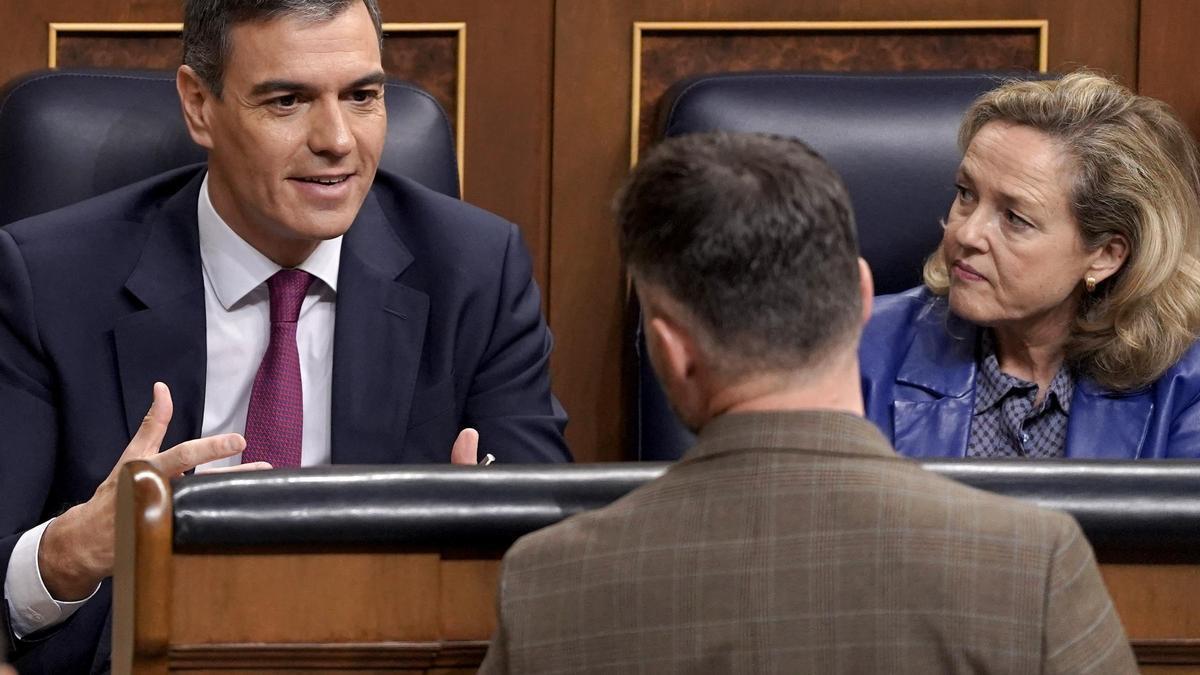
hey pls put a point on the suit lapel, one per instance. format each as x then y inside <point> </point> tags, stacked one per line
<point>1103,425</point>
<point>941,363</point>
<point>378,338</point>
<point>166,340</point>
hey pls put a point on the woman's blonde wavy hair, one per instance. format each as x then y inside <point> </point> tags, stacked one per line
<point>1137,176</point>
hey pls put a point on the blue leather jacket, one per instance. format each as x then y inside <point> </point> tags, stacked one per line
<point>918,376</point>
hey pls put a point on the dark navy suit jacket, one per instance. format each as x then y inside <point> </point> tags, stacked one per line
<point>918,377</point>
<point>438,326</point>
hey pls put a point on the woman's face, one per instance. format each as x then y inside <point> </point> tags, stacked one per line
<point>1012,247</point>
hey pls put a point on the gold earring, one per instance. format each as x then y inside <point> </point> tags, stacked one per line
<point>1090,282</point>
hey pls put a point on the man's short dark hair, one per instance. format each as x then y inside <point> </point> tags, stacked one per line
<point>754,234</point>
<point>207,24</point>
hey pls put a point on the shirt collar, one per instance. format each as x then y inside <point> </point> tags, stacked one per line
<point>994,385</point>
<point>235,268</point>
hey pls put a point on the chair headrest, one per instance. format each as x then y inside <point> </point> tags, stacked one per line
<point>891,136</point>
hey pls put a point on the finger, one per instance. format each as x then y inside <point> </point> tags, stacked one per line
<point>466,448</point>
<point>190,454</point>
<point>150,434</point>
<point>237,468</point>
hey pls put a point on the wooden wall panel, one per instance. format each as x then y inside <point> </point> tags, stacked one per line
<point>118,50</point>
<point>26,25</point>
<point>428,59</point>
<point>592,126</point>
<point>1169,59</point>
<point>509,55</point>
<point>669,55</point>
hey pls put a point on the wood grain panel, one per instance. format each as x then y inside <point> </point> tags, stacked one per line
<point>374,598</point>
<point>1168,58</point>
<point>469,587</point>
<point>509,56</point>
<point>429,60</point>
<point>671,55</point>
<point>591,130</point>
<point>362,659</point>
<point>119,50</point>
<point>1156,602</point>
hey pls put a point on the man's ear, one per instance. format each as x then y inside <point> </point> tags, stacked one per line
<point>676,349</point>
<point>866,290</point>
<point>194,96</point>
<point>1109,258</point>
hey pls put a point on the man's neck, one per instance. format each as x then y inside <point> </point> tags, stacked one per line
<point>834,387</point>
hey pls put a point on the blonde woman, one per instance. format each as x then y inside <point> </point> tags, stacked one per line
<point>1059,314</point>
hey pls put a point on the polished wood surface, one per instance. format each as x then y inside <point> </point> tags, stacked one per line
<point>143,573</point>
<point>509,57</point>
<point>1157,605</point>
<point>312,597</point>
<point>335,610</point>
<point>279,609</point>
<point>1156,602</point>
<point>350,607</point>
<point>1168,56</point>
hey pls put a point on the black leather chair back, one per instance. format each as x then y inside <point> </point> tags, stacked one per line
<point>893,139</point>
<point>67,135</point>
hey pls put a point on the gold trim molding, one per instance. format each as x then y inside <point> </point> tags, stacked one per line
<point>458,28</point>
<point>640,27</point>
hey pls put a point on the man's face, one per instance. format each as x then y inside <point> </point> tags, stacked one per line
<point>295,138</point>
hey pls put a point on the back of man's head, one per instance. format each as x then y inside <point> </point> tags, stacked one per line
<point>751,239</point>
<point>207,24</point>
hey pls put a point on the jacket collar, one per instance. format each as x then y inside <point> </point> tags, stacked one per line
<point>822,432</point>
<point>941,358</point>
<point>165,340</point>
<point>941,361</point>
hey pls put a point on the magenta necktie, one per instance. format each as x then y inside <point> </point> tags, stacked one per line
<point>275,418</point>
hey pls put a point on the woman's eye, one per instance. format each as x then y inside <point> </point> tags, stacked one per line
<point>1016,221</point>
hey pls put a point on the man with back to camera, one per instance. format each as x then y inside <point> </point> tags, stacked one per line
<point>791,538</point>
<point>244,287</point>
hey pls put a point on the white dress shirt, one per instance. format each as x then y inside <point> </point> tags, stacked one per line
<point>237,328</point>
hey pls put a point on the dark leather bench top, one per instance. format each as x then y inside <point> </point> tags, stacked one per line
<point>1132,511</point>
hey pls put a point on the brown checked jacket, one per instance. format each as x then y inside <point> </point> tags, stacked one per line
<point>799,542</point>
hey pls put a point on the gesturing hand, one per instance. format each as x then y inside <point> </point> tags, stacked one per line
<point>466,447</point>
<point>76,550</point>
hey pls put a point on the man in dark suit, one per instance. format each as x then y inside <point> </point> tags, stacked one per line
<point>791,538</point>
<point>286,292</point>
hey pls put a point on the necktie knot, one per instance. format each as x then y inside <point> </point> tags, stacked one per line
<point>288,288</point>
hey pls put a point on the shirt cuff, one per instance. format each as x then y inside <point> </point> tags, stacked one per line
<point>30,606</point>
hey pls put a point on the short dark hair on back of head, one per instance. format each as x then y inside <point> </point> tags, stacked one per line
<point>754,235</point>
<point>207,24</point>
